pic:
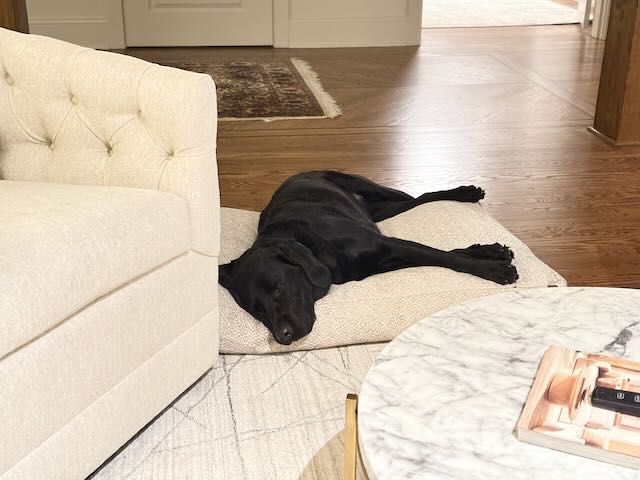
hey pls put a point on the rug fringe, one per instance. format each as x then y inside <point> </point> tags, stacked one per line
<point>329,106</point>
<point>270,119</point>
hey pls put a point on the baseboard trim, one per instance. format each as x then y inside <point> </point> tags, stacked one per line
<point>66,20</point>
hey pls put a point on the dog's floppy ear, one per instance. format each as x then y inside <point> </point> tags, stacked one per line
<point>225,274</point>
<point>315,271</point>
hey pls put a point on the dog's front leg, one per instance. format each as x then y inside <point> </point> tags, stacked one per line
<point>395,254</point>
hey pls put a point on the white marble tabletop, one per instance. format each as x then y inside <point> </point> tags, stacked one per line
<point>443,398</point>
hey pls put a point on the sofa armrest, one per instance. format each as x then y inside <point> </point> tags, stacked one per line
<point>69,114</point>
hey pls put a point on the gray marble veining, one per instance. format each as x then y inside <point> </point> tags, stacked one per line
<point>443,398</point>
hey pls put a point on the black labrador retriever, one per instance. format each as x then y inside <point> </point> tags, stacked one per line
<point>319,229</point>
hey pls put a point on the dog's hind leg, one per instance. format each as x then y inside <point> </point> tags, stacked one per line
<point>395,254</point>
<point>369,191</point>
<point>383,202</point>
<point>382,210</point>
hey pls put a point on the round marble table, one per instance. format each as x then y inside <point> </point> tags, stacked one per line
<point>443,398</point>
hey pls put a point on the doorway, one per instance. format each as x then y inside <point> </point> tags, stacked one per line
<point>495,13</point>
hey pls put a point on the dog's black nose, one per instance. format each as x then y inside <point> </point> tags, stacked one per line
<point>285,335</point>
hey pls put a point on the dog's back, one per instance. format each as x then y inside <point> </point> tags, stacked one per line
<point>315,200</point>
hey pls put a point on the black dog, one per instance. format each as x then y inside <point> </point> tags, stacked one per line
<point>319,229</point>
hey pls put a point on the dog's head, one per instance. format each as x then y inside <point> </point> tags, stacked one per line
<point>278,282</point>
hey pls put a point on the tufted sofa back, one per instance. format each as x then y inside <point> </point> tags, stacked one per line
<point>74,115</point>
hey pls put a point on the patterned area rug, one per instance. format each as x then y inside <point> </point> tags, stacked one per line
<point>276,417</point>
<point>266,90</point>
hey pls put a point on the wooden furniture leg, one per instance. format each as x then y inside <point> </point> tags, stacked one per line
<point>617,118</point>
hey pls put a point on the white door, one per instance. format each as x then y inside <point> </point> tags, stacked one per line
<point>170,23</point>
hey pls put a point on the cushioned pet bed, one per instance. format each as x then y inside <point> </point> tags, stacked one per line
<point>377,308</point>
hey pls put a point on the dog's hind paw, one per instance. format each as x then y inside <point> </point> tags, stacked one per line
<point>469,193</point>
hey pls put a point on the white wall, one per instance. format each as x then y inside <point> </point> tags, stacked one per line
<point>347,23</point>
<point>93,23</point>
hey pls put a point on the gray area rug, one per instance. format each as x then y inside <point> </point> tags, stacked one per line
<point>276,417</point>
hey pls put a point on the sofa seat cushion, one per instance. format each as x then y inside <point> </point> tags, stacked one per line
<point>64,246</point>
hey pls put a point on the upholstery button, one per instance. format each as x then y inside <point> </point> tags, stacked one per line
<point>8,79</point>
<point>109,150</point>
<point>51,145</point>
<point>74,99</point>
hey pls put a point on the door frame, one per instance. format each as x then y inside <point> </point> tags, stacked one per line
<point>115,30</point>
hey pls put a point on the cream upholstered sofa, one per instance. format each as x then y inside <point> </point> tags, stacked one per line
<point>109,237</point>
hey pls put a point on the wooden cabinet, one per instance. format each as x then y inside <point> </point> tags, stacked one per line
<point>13,15</point>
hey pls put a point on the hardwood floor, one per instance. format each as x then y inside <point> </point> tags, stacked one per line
<point>504,108</point>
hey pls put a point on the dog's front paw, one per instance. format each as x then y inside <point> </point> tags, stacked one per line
<point>500,272</point>
<point>495,251</point>
<point>469,193</point>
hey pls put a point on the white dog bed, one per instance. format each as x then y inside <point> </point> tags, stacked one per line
<point>378,308</point>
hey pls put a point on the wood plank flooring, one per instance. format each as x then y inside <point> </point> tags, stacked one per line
<point>505,108</point>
